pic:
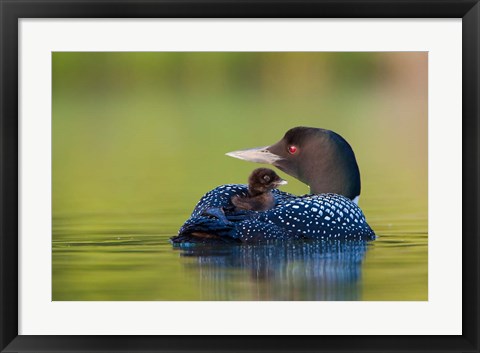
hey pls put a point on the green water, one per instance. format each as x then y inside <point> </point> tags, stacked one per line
<point>138,138</point>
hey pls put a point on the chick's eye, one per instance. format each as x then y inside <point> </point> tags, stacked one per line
<point>292,149</point>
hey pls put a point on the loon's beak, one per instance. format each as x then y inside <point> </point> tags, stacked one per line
<point>257,155</point>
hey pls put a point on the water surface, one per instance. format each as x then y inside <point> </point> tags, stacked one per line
<point>125,257</point>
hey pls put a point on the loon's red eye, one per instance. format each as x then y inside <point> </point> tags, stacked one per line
<point>292,149</point>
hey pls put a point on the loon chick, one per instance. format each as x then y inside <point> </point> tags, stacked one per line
<point>319,158</point>
<point>260,185</point>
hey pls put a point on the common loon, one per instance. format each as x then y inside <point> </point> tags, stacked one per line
<point>321,159</point>
<point>260,185</point>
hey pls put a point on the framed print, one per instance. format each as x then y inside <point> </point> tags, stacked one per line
<point>128,226</point>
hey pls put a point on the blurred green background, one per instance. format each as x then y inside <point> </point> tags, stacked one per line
<point>138,138</point>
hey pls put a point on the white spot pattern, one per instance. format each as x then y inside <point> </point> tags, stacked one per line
<point>293,217</point>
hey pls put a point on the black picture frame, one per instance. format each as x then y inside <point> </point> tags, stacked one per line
<point>11,11</point>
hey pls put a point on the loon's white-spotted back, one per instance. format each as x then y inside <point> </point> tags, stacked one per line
<point>324,216</point>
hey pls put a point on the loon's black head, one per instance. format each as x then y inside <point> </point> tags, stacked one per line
<point>262,180</point>
<point>320,158</point>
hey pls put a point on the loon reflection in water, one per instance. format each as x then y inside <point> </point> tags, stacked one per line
<point>307,270</point>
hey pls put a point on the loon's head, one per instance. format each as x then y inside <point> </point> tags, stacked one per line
<point>263,180</point>
<point>319,158</point>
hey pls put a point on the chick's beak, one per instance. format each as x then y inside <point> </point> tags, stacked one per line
<point>281,182</point>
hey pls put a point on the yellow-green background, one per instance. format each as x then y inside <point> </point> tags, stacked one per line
<point>139,137</point>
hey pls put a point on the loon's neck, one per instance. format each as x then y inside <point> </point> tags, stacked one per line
<point>335,177</point>
<point>317,191</point>
<point>334,184</point>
